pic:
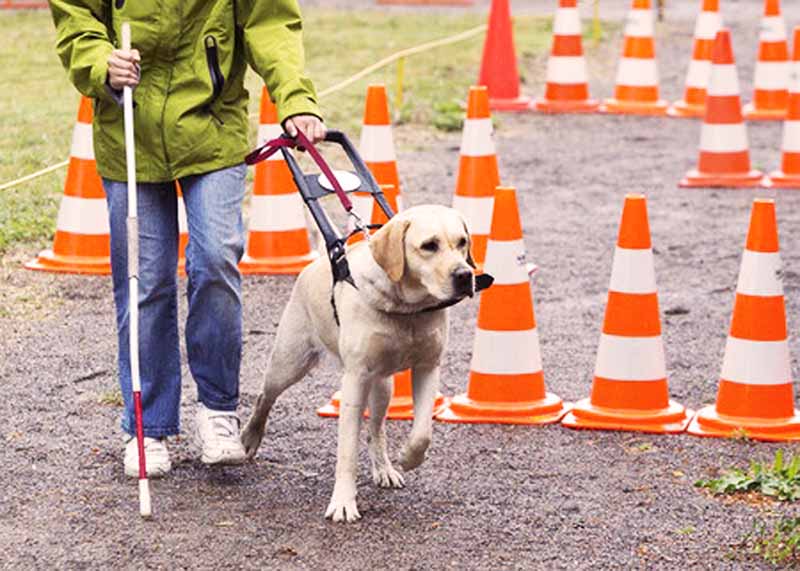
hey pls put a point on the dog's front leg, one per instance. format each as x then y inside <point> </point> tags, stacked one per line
<point>425,382</point>
<point>342,506</point>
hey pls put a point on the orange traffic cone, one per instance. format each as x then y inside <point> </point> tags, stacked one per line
<point>278,241</point>
<point>789,175</point>
<point>183,231</point>
<point>499,63</point>
<point>708,24</point>
<point>636,92</point>
<point>724,155</point>
<point>771,80</point>
<point>755,396</point>
<point>629,391</point>
<point>478,176</point>
<point>567,88</point>
<point>82,243</point>
<point>506,382</point>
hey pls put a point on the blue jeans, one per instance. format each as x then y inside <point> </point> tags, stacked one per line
<point>214,323</point>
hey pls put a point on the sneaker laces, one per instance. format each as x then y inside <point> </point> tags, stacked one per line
<point>225,425</point>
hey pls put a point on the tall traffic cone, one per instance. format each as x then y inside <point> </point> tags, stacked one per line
<point>278,241</point>
<point>183,230</point>
<point>706,27</point>
<point>567,89</point>
<point>789,174</point>
<point>636,92</point>
<point>506,382</point>
<point>82,243</point>
<point>629,391</point>
<point>499,63</point>
<point>771,81</point>
<point>755,396</point>
<point>724,155</point>
<point>478,175</point>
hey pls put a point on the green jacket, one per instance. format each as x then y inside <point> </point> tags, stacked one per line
<point>191,104</point>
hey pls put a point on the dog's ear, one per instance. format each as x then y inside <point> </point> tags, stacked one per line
<point>470,261</point>
<point>388,247</point>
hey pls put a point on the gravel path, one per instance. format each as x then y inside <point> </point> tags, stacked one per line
<point>489,497</point>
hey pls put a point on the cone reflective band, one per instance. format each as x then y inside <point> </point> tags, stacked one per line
<point>724,155</point>
<point>771,82</point>
<point>755,396</point>
<point>477,172</point>
<point>82,243</point>
<point>277,241</point>
<point>636,92</point>
<point>506,382</point>
<point>706,27</point>
<point>499,62</point>
<point>789,174</point>
<point>567,89</point>
<point>629,390</point>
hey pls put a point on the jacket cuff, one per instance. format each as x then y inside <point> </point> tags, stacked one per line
<point>99,79</point>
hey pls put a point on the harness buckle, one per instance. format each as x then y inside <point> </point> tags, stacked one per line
<point>359,225</point>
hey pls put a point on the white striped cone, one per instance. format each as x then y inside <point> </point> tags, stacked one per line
<point>771,81</point>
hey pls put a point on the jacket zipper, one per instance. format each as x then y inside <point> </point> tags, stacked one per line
<point>217,79</point>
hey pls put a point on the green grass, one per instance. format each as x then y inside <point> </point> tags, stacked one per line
<point>778,544</point>
<point>779,479</point>
<point>38,106</point>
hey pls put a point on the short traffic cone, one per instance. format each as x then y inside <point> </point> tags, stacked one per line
<point>629,391</point>
<point>506,382</point>
<point>183,230</point>
<point>755,396</point>
<point>278,241</point>
<point>771,82</point>
<point>478,175</point>
<point>706,27</point>
<point>724,155</point>
<point>789,174</point>
<point>499,63</point>
<point>567,89</point>
<point>636,92</point>
<point>82,243</point>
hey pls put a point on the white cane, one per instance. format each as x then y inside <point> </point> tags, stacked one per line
<point>133,284</point>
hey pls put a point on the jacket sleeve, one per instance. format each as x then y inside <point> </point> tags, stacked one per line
<point>83,44</point>
<point>273,41</point>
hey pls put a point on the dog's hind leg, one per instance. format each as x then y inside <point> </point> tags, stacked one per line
<point>293,356</point>
<point>383,473</point>
<point>425,384</point>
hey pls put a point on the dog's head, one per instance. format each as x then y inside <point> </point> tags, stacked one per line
<point>426,249</point>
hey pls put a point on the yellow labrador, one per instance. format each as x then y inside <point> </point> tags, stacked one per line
<point>417,261</point>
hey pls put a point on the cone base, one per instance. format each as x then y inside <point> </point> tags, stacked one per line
<point>521,103</point>
<point>671,420</point>
<point>463,409</point>
<point>696,179</point>
<point>708,422</point>
<point>752,114</point>
<point>686,110</point>
<point>617,107</point>
<point>400,408</point>
<point>553,106</point>
<point>47,261</point>
<point>275,266</point>
<point>779,179</point>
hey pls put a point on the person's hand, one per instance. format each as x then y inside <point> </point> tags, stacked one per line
<point>311,126</point>
<point>123,69</point>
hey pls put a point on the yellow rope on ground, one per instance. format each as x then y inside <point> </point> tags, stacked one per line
<point>34,175</point>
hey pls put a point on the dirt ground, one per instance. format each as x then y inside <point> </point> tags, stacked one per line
<point>489,497</point>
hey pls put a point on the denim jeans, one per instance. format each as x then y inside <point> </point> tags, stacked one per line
<point>214,323</point>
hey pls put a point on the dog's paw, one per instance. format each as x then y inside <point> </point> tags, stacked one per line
<point>343,509</point>
<point>251,439</point>
<point>387,477</point>
<point>413,453</point>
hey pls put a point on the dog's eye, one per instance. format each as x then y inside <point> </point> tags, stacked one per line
<point>462,243</point>
<point>430,246</point>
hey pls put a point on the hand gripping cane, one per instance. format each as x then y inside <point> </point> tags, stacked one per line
<point>133,284</point>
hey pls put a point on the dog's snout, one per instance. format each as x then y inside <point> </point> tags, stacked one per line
<point>462,281</point>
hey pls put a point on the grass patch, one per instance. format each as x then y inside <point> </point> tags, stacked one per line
<point>779,479</point>
<point>778,544</point>
<point>111,397</point>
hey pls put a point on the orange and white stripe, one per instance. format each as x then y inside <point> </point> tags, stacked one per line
<point>277,241</point>
<point>82,243</point>
<point>706,27</point>
<point>755,389</point>
<point>506,381</point>
<point>771,82</point>
<point>478,174</point>
<point>724,150</point>
<point>183,230</point>
<point>567,89</point>
<point>629,391</point>
<point>789,174</point>
<point>636,91</point>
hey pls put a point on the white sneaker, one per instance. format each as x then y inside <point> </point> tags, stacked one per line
<point>156,457</point>
<point>218,436</point>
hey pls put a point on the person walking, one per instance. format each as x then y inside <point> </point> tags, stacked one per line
<point>191,124</point>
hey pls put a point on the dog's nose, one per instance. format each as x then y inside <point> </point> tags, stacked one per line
<point>462,281</point>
